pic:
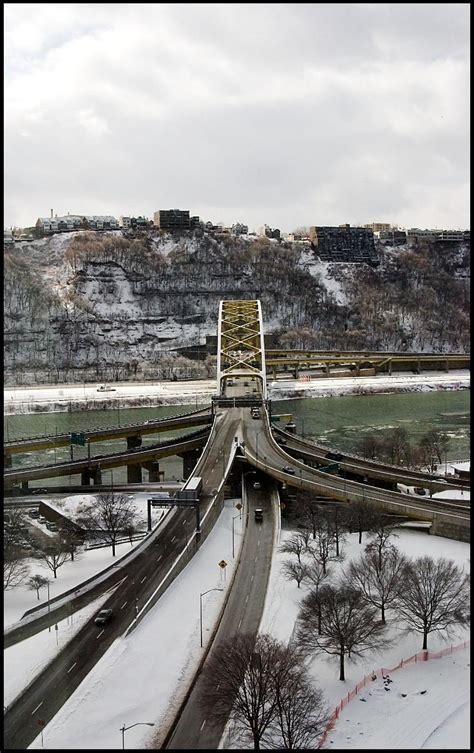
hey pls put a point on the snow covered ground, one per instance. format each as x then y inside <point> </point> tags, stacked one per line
<point>58,397</point>
<point>163,651</point>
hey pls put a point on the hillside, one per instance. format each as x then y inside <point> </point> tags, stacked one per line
<point>88,306</point>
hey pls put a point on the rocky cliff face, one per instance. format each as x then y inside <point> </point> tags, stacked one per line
<point>100,306</point>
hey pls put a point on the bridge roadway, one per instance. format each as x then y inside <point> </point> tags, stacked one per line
<point>140,578</point>
<point>134,456</point>
<point>264,453</point>
<point>196,418</point>
<point>367,468</point>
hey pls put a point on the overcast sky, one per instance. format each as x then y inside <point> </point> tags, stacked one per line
<point>282,114</point>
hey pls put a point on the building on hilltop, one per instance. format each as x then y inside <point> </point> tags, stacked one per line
<point>393,237</point>
<point>75,222</point>
<point>414,234</point>
<point>172,219</point>
<point>267,232</point>
<point>379,227</point>
<point>132,222</point>
<point>344,243</point>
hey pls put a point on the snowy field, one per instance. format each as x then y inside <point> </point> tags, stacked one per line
<point>57,398</point>
<point>162,653</point>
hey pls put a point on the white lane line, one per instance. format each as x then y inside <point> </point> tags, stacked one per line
<point>246,598</point>
<point>258,542</point>
<point>251,579</point>
<point>240,622</point>
<point>255,559</point>
<point>184,521</point>
<point>143,579</point>
<point>71,668</point>
<point>123,605</point>
<point>173,539</point>
<point>202,725</point>
<point>159,558</point>
<point>36,709</point>
<point>100,634</point>
<point>218,686</point>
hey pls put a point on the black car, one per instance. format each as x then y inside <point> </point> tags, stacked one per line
<point>334,456</point>
<point>104,616</point>
<point>288,469</point>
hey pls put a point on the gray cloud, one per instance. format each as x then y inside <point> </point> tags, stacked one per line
<point>285,114</point>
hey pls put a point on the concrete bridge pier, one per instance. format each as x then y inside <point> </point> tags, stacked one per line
<point>91,476</point>
<point>7,460</point>
<point>190,458</point>
<point>24,484</point>
<point>153,468</point>
<point>134,474</point>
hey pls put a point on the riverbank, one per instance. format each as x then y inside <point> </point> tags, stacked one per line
<point>83,397</point>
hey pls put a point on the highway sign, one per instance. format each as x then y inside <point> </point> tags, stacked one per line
<point>329,468</point>
<point>41,723</point>
<point>238,506</point>
<point>222,564</point>
<point>78,438</point>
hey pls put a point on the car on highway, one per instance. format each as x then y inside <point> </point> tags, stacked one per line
<point>288,469</point>
<point>257,485</point>
<point>258,514</point>
<point>39,491</point>
<point>104,616</point>
<point>280,440</point>
<point>333,456</point>
<point>419,490</point>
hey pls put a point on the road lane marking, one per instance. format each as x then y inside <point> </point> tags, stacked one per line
<point>202,725</point>
<point>71,668</point>
<point>159,558</point>
<point>124,604</point>
<point>258,542</point>
<point>240,622</point>
<point>143,579</point>
<point>184,521</point>
<point>246,598</point>
<point>99,634</point>
<point>173,539</point>
<point>251,579</point>
<point>256,559</point>
<point>36,709</point>
<point>218,686</point>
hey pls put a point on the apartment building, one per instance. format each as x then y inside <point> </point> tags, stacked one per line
<point>344,244</point>
<point>172,219</point>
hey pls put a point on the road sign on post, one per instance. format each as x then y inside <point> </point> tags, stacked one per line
<point>222,564</point>
<point>78,438</point>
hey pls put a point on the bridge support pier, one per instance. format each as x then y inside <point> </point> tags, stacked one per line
<point>91,476</point>
<point>153,468</point>
<point>190,458</point>
<point>24,484</point>
<point>7,460</point>
<point>134,474</point>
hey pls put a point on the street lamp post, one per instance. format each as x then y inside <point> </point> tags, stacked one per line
<point>200,607</point>
<point>124,729</point>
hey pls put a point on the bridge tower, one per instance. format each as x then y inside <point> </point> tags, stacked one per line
<point>240,345</point>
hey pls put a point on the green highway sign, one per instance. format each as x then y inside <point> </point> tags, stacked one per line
<point>78,438</point>
<point>329,468</point>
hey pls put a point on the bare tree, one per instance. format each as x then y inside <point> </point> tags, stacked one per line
<point>297,571</point>
<point>71,540</point>
<point>54,556</point>
<point>108,516</point>
<point>325,544</point>
<point>349,625</point>
<point>336,515</point>
<point>317,575</point>
<point>379,579</point>
<point>297,544</point>
<point>260,684</point>
<point>362,516</point>
<point>383,530</point>
<point>15,570</point>
<point>301,713</point>
<point>435,596</point>
<point>36,582</point>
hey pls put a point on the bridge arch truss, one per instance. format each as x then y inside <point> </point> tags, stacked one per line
<point>240,346</point>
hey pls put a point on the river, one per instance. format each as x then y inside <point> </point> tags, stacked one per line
<point>338,421</point>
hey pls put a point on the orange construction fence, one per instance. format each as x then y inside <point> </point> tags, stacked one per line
<point>422,656</point>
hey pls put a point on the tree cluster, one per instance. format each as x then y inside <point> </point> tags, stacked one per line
<point>394,446</point>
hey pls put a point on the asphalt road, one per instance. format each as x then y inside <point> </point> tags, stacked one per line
<point>242,614</point>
